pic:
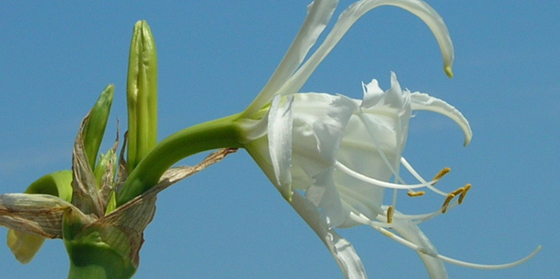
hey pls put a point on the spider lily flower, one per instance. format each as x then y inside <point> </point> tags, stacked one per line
<point>318,143</point>
<point>331,157</point>
<point>342,152</point>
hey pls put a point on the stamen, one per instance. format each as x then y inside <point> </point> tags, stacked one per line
<point>414,218</point>
<point>446,202</point>
<point>415,194</point>
<point>341,167</point>
<point>412,171</point>
<point>440,174</point>
<point>461,192</point>
<point>362,219</point>
<point>462,196</point>
<point>458,191</point>
<point>395,196</point>
<point>390,215</point>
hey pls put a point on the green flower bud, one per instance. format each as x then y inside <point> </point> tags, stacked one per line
<point>141,95</point>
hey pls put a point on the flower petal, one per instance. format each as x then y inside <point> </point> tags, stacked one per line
<point>324,195</point>
<point>341,249</point>
<point>411,232</point>
<point>422,101</point>
<point>319,123</point>
<point>280,121</point>
<point>319,15</point>
<point>357,10</point>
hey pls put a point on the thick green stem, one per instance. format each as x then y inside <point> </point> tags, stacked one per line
<point>97,250</point>
<point>220,133</point>
<point>97,262</point>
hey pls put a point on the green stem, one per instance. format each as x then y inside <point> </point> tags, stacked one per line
<point>96,251</point>
<point>97,262</point>
<point>219,133</point>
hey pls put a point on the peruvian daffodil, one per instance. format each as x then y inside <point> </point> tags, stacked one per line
<point>331,157</point>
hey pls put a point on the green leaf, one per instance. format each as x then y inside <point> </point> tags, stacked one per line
<point>56,184</point>
<point>94,127</point>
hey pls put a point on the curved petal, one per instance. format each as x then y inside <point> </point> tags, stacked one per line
<point>340,248</point>
<point>280,121</point>
<point>411,232</point>
<point>319,15</point>
<point>422,101</point>
<point>357,10</point>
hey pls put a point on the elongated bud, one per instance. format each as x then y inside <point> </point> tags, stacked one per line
<point>94,128</point>
<point>24,245</point>
<point>141,95</point>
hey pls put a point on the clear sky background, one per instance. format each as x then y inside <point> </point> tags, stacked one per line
<point>215,56</point>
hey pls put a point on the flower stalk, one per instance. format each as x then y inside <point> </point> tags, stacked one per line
<point>220,133</point>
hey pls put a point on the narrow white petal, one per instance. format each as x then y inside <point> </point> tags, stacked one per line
<point>319,15</point>
<point>424,249</point>
<point>422,101</point>
<point>411,232</point>
<point>357,10</point>
<point>340,248</point>
<point>280,121</point>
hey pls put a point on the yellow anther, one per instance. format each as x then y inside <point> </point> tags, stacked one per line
<point>446,202</point>
<point>464,193</point>
<point>458,192</point>
<point>448,71</point>
<point>415,194</point>
<point>461,192</point>
<point>390,215</point>
<point>440,174</point>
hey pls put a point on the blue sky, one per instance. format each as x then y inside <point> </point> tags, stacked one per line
<point>214,57</point>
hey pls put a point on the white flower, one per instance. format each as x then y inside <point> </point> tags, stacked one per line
<point>340,153</point>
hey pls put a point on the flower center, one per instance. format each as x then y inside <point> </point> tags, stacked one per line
<point>399,183</point>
